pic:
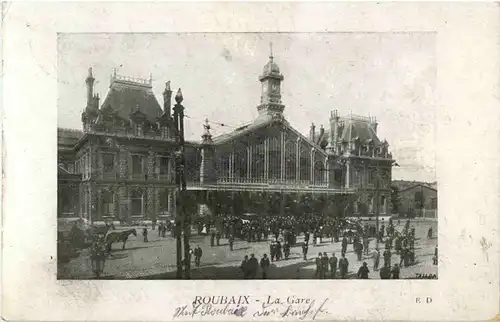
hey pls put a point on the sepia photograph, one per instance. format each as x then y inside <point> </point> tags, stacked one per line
<point>247,156</point>
<point>227,161</point>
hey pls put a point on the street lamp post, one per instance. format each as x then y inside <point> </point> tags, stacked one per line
<point>184,222</point>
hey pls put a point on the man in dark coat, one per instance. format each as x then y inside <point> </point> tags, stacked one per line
<point>324,265</point>
<point>286,249</point>
<point>272,249</point>
<point>264,266</point>
<point>343,266</point>
<point>218,237</point>
<point>395,272</point>
<point>198,252</point>
<point>333,265</point>
<point>305,248</point>
<point>363,271</point>
<point>212,239</point>
<point>319,266</point>
<point>344,245</point>
<point>253,264</point>
<point>244,267</point>
<point>385,272</point>
<point>145,234</point>
<point>387,258</point>
<point>359,250</point>
<point>231,242</point>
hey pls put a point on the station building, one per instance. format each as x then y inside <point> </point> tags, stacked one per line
<point>121,166</point>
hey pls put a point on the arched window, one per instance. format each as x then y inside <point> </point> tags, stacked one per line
<point>240,163</point>
<point>258,161</point>
<point>290,160</point>
<point>305,163</point>
<point>274,158</point>
<point>319,172</point>
<point>137,203</point>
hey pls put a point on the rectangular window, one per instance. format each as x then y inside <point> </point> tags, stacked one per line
<point>137,164</point>
<point>434,203</point>
<point>163,195</point>
<point>164,165</point>
<point>383,205</point>
<point>108,162</point>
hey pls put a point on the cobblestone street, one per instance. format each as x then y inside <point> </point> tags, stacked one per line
<point>156,258</point>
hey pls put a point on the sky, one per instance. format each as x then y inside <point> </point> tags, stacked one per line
<point>391,76</point>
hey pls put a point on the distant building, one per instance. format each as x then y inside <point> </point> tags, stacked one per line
<point>417,199</point>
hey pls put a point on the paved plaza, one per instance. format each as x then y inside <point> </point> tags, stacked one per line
<point>156,258</point>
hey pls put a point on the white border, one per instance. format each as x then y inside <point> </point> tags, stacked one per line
<point>467,115</point>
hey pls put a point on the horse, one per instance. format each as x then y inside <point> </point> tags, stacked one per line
<point>118,236</point>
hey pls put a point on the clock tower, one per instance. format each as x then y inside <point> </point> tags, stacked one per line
<point>270,99</point>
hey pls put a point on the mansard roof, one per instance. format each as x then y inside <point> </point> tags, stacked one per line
<point>354,128</point>
<point>126,95</point>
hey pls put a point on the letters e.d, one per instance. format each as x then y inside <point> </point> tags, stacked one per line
<point>426,300</point>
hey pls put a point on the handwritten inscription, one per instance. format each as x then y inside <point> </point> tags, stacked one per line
<point>301,308</point>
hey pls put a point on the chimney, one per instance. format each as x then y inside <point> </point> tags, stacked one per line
<point>90,87</point>
<point>321,133</point>
<point>167,98</point>
<point>312,133</point>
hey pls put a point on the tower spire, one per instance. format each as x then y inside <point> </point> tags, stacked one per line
<point>271,51</point>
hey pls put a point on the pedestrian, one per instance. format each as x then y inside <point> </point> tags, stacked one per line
<point>164,230</point>
<point>244,267</point>
<point>366,243</point>
<point>305,248</point>
<point>145,234</point>
<point>343,266</point>
<point>387,257</point>
<point>324,265</point>
<point>359,250</point>
<point>272,249</point>
<point>376,259</point>
<point>435,257</point>
<point>253,264</point>
<point>286,249</point>
<point>198,252</point>
<point>231,242</point>
<point>319,265</point>
<point>344,246</point>
<point>212,239</point>
<point>279,253</point>
<point>218,236</point>
<point>160,229</point>
<point>385,272</point>
<point>264,266</point>
<point>363,271</point>
<point>333,265</point>
<point>395,272</point>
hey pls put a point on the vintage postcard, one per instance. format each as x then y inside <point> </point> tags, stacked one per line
<point>206,171</point>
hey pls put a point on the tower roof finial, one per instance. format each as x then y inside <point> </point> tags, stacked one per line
<point>271,51</point>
